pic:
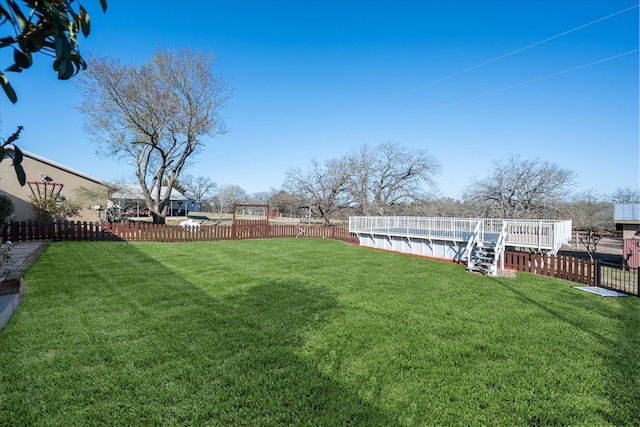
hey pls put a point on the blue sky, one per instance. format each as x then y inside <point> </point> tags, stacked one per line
<point>469,81</point>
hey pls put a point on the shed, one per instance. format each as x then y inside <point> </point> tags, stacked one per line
<point>626,217</point>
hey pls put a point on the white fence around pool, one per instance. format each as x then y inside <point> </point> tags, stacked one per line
<point>448,237</point>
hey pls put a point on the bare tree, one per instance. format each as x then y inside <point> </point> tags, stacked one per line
<point>626,195</point>
<point>520,188</point>
<point>259,198</point>
<point>590,241</point>
<point>200,188</point>
<point>321,187</point>
<point>154,115</point>
<point>387,175</point>
<point>229,195</point>
<point>283,201</point>
<point>442,207</point>
<point>590,211</point>
<point>371,181</point>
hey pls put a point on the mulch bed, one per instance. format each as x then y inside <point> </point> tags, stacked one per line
<point>10,286</point>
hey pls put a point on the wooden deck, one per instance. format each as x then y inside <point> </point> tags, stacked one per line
<point>546,236</point>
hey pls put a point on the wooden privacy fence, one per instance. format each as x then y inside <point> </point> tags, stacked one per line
<point>574,269</point>
<point>146,232</point>
<point>580,270</point>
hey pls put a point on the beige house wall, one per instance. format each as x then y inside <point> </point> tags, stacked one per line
<point>34,166</point>
<point>629,229</point>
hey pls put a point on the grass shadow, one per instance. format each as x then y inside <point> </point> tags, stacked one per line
<point>620,339</point>
<point>98,350</point>
<point>276,333</point>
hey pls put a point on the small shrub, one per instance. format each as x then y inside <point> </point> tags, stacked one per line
<point>6,208</point>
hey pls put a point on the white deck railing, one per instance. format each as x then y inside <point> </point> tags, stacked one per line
<point>541,234</point>
<point>459,229</point>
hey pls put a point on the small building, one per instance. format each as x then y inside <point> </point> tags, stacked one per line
<point>129,200</point>
<point>44,178</point>
<point>626,217</point>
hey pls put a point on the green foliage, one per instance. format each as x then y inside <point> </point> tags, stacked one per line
<point>7,88</point>
<point>54,206</point>
<point>10,150</point>
<point>50,27</point>
<point>308,332</point>
<point>6,208</point>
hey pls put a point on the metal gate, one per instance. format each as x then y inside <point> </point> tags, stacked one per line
<point>619,278</point>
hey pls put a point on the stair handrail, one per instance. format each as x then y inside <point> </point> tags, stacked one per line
<point>472,242</point>
<point>501,244</point>
<point>561,234</point>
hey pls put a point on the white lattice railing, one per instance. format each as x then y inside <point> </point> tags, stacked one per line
<point>542,234</point>
<point>435,228</point>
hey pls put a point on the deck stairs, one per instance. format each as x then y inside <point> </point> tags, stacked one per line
<point>483,258</point>
<point>484,254</point>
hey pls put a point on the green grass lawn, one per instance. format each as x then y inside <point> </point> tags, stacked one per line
<point>308,332</point>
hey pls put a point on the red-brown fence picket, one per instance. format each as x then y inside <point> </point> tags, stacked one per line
<point>577,270</point>
<point>146,232</point>
<point>250,229</point>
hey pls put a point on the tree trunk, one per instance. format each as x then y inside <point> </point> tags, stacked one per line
<point>158,219</point>
<point>324,216</point>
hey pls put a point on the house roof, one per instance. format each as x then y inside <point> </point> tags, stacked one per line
<point>626,212</point>
<point>134,192</point>
<point>65,168</point>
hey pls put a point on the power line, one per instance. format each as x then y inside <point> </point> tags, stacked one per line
<point>537,79</point>
<point>506,55</point>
